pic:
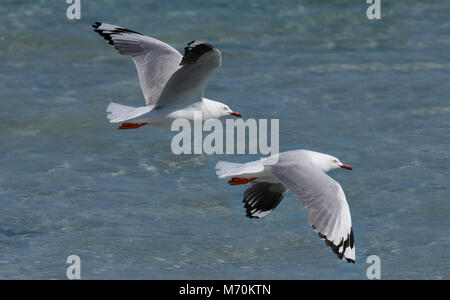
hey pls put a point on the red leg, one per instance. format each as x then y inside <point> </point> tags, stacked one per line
<point>131,125</point>
<point>237,180</point>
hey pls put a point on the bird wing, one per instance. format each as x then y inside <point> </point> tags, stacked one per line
<point>261,198</point>
<point>155,61</point>
<point>186,86</point>
<point>329,213</point>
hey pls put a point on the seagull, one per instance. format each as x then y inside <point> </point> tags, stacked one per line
<point>173,85</point>
<point>304,173</point>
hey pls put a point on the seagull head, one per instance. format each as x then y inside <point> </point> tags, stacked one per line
<point>217,109</point>
<point>338,164</point>
<point>332,163</point>
<point>327,162</point>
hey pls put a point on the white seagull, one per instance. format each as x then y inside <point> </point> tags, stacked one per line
<point>303,172</point>
<point>173,85</point>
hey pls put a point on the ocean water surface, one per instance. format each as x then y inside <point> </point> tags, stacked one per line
<point>373,93</point>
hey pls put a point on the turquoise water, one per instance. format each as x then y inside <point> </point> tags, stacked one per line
<point>373,93</point>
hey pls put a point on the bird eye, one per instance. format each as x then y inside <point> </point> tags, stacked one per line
<point>225,108</point>
<point>335,161</point>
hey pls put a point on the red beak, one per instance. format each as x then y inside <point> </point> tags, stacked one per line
<point>346,167</point>
<point>236,114</point>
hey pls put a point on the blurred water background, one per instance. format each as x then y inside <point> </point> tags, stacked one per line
<point>373,93</point>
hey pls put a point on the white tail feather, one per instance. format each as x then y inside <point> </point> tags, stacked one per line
<point>119,113</point>
<point>226,169</point>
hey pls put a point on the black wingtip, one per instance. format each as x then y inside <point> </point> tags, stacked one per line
<point>349,260</point>
<point>193,52</point>
<point>348,242</point>
<point>261,198</point>
<point>107,34</point>
<point>250,216</point>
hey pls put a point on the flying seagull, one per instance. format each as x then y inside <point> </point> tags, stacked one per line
<point>304,173</point>
<point>173,85</point>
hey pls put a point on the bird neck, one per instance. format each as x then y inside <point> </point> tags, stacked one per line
<point>210,109</point>
<point>321,161</point>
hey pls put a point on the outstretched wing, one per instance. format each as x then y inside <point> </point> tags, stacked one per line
<point>329,213</point>
<point>187,84</point>
<point>155,61</point>
<point>261,198</point>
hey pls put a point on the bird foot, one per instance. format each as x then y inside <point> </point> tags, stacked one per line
<point>237,180</point>
<point>131,125</point>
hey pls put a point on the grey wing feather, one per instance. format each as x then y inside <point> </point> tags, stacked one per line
<point>186,86</point>
<point>155,60</point>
